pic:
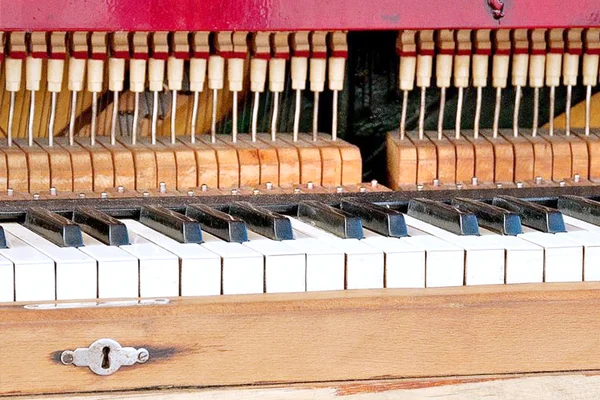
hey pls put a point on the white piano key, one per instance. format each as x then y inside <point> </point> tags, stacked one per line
<point>200,268</point>
<point>444,262</point>
<point>563,259</point>
<point>484,258</point>
<point>118,275</point>
<point>158,269</point>
<point>524,260</point>
<point>285,266</point>
<point>34,275</point>
<point>76,273</point>
<point>242,268</point>
<point>7,280</point>
<point>325,264</point>
<point>404,263</point>
<point>590,241</point>
<point>364,263</point>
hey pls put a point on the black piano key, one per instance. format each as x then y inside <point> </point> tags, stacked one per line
<point>218,223</point>
<point>101,226</point>
<point>382,220</point>
<point>581,208</point>
<point>533,215</point>
<point>262,221</point>
<point>2,239</point>
<point>491,217</point>
<point>53,227</point>
<point>172,224</point>
<point>444,216</point>
<point>338,222</point>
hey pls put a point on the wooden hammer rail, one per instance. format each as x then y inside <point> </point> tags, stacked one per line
<point>291,338</point>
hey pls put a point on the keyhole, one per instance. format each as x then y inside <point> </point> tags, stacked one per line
<point>105,358</point>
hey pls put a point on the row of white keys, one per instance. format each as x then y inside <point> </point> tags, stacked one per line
<point>200,269</point>
<point>75,272</point>
<point>158,268</point>
<point>588,236</point>
<point>364,264</point>
<point>29,274</point>
<point>118,271</point>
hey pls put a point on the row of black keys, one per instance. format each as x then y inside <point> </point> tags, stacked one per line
<point>505,215</point>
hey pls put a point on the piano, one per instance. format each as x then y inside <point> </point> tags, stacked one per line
<point>181,205</point>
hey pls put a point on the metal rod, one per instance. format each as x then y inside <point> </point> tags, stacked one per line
<point>297,114</point>
<point>334,115</point>
<point>136,116</point>
<point>255,115</point>
<point>154,116</point>
<point>11,116</point>
<point>403,114</point>
<point>213,121</point>
<point>275,115</point>
<point>568,110</point>
<point>588,108</point>
<point>459,107</point>
<point>115,114</point>
<point>52,119</point>
<point>94,118</point>
<point>551,111</point>
<point>315,121</point>
<point>194,117</point>
<point>477,121</point>
<point>173,116</point>
<point>234,122</point>
<point>516,111</point>
<point>497,112</point>
<point>422,112</point>
<point>72,118</point>
<point>31,118</point>
<point>536,110</point>
<point>441,114</point>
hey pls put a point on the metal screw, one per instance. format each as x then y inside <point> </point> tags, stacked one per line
<point>576,178</point>
<point>419,187</point>
<point>66,357</point>
<point>363,190</point>
<point>562,183</point>
<point>374,183</point>
<point>269,186</point>
<point>459,186</point>
<point>190,193</point>
<point>297,190</point>
<point>234,192</point>
<point>143,355</point>
<point>36,196</point>
<point>10,192</point>
<point>255,192</point>
<point>339,189</point>
<point>162,187</point>
<point>82,195</point>
<point>474,181</point>
<point>436,182</point>
<point>52,191</point>
<point>310,185</point>
<point>519,185</point>
<point>538,180</point>
<point>498,186</point>
<point>204,188</point>
<point>121,189</point>
<point>104,195</point>
<point>146,194</point>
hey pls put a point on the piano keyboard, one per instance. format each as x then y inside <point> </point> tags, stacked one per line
<point>243,248</point>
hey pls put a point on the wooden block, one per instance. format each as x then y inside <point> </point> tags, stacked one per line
<point>185,161</point>
<point>428,159</point>
<point>38,165</point>
<point>504,157</point>
<point>291,169</point>
<point>144,162</point>
<point>319,163</point>
<point>166,167</point>
<point>351,159</point>
<point>523,153</point>
<point>331,160</point>
<point>593,148</point>
<point>61,168</point>
<point>446,158</point>
<point>579,154</point>
<point>248,160</point>
<point>93,167</point>
<point>123,163</point>
<point>206,162</point>
<point>228,169</point>
<point>401,161</point>
<point>483,151</point>
<point>465,157</point>
<point>17,168</point>
<point>542,156</point>
<point>3,173</point>
<point>562,160</point>
<point>267,159</point>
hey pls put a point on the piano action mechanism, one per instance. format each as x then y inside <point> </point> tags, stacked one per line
<point>181,205</point>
